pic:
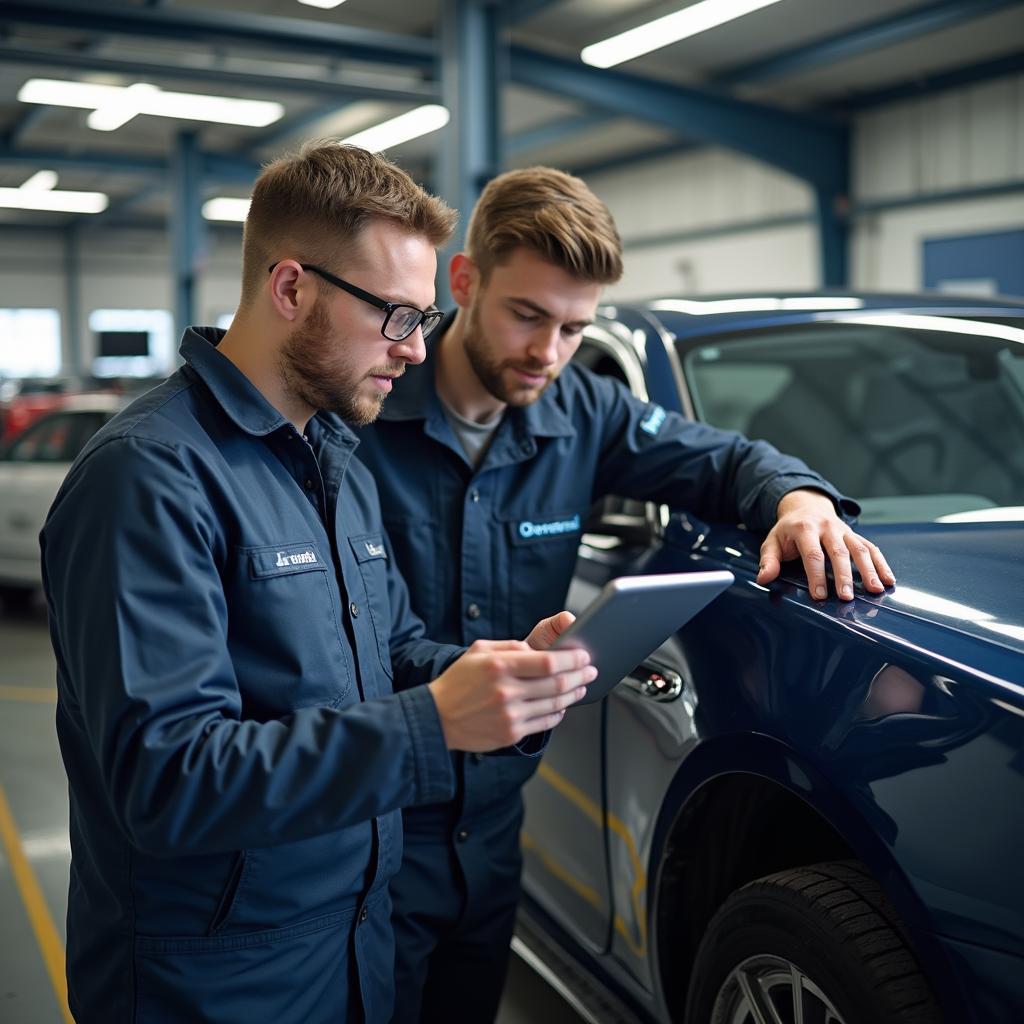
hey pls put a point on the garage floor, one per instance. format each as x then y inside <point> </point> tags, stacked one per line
<point>34,851</point>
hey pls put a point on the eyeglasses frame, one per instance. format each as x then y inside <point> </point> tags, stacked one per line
<point>389,308</point>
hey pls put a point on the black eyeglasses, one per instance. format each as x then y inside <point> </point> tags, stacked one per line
<point>400,319</point>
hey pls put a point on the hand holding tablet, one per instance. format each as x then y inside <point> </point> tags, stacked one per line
<point>633,616</point>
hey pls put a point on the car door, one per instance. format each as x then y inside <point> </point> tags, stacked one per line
<point>31,472</point>
<point>563,838</point>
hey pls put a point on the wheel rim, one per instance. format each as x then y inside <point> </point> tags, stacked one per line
<point>772,990</point>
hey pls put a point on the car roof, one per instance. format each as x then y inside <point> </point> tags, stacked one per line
<point>691,317</point>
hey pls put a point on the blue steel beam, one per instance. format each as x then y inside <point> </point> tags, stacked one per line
<point>217,166</point>
<point>810,148</point>
<point>552,132</point>
<point>616,163</point>
<point>127,164</point>
<point>427,93</point>
<point>877,35</point>
<point>472,72</point>
<point>200,26</point>
<point>188,230</point>
<point>289,127</point>
<point>521,10</point>
<point>929,84</point>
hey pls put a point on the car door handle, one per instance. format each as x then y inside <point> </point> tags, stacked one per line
<point>660,684</point>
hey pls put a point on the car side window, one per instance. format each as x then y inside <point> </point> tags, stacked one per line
<point>57,438</point>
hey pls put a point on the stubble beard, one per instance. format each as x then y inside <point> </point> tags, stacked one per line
<point>494,374</point>
<point>314,370</point>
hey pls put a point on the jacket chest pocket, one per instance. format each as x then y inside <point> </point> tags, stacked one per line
<point>284,629</point>
<point>541,556</point>
<point>371,554</point>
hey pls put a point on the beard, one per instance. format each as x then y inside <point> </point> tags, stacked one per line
<point>316,371</point>
<point>495,374</point>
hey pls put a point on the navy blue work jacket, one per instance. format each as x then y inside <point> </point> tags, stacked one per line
<point>488,552</point>
<point>225,613</point>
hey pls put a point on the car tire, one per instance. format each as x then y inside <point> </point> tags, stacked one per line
<point>827,931</point>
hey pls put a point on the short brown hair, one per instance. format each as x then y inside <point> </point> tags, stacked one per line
<point>313,204</point>
<point>550,213</point>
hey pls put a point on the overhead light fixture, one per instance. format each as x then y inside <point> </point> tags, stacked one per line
<point>41,181</point>
<point>115,105</point>
<point>704,307</point>
<point>323,4</point>
<point>671,28</point>
<point>411,125</point>
<point>226,208</point>
<point>38,193</point>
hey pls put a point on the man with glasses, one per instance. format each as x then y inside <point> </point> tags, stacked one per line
<point>488,458</point>
<point>229,628</point>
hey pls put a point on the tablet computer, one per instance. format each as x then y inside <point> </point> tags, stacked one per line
<point>633,616</point>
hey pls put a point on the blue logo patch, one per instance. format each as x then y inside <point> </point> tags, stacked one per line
<point>549,529</point>
<point>652,424</point>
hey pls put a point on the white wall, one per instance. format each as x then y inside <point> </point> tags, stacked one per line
<point>960,139</point>
<point>700,192</point>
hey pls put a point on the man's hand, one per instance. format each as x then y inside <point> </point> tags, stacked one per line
<point>502,690</point>
<point>808,526</point>
<point>547,631</point>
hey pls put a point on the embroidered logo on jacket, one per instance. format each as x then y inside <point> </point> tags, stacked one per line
<point>375,550</point>
<point>652,424</point>
<point>303,558</point>
<point>550,529</point>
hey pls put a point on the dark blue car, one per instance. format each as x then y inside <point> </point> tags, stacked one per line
<point>799,811</point>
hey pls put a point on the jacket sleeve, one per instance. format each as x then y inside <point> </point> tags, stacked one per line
<point>414,658</point>
<point>139,622</point>
<point>652,454</point>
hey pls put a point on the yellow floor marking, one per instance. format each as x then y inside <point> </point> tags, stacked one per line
<point>32,694</point>
<point>49,941</point>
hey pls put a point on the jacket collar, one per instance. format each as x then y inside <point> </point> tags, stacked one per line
<point>240,399</point>
<point>415,398</point>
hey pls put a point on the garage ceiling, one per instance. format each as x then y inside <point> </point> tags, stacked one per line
<point>803,55</point>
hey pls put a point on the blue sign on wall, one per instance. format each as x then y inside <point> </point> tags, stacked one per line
<point>990,264</point>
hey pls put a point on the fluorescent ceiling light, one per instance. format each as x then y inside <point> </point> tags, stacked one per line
<point>655,34</point>
<point>44,199</point>
<point>41,181</point>
<point>411,125</point>
<point>323,4</point>
<point>122,108</point>
<point>114,105</point>
<point>703,307</point>
<point>226,208</point>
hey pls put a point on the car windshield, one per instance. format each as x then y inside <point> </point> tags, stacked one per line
<point>919,417</point>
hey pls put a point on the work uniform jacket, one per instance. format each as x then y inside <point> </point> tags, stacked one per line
<point>487,552</point>
<point>226,613</point>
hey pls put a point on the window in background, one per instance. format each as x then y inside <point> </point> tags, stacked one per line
<point>132,342</point>
<point>29,343</point>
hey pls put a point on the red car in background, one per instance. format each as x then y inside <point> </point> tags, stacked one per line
<point>22,402</point>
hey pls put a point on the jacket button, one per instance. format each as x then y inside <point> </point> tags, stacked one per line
<point>474,495</point>
<point>354,609</point>
<point>309,484</point>
<point>473,611</point>
<point>363,915</point>
<point>476,758</point>
<point>462,836</point>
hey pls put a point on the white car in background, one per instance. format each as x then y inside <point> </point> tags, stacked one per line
<point>32,467</point>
